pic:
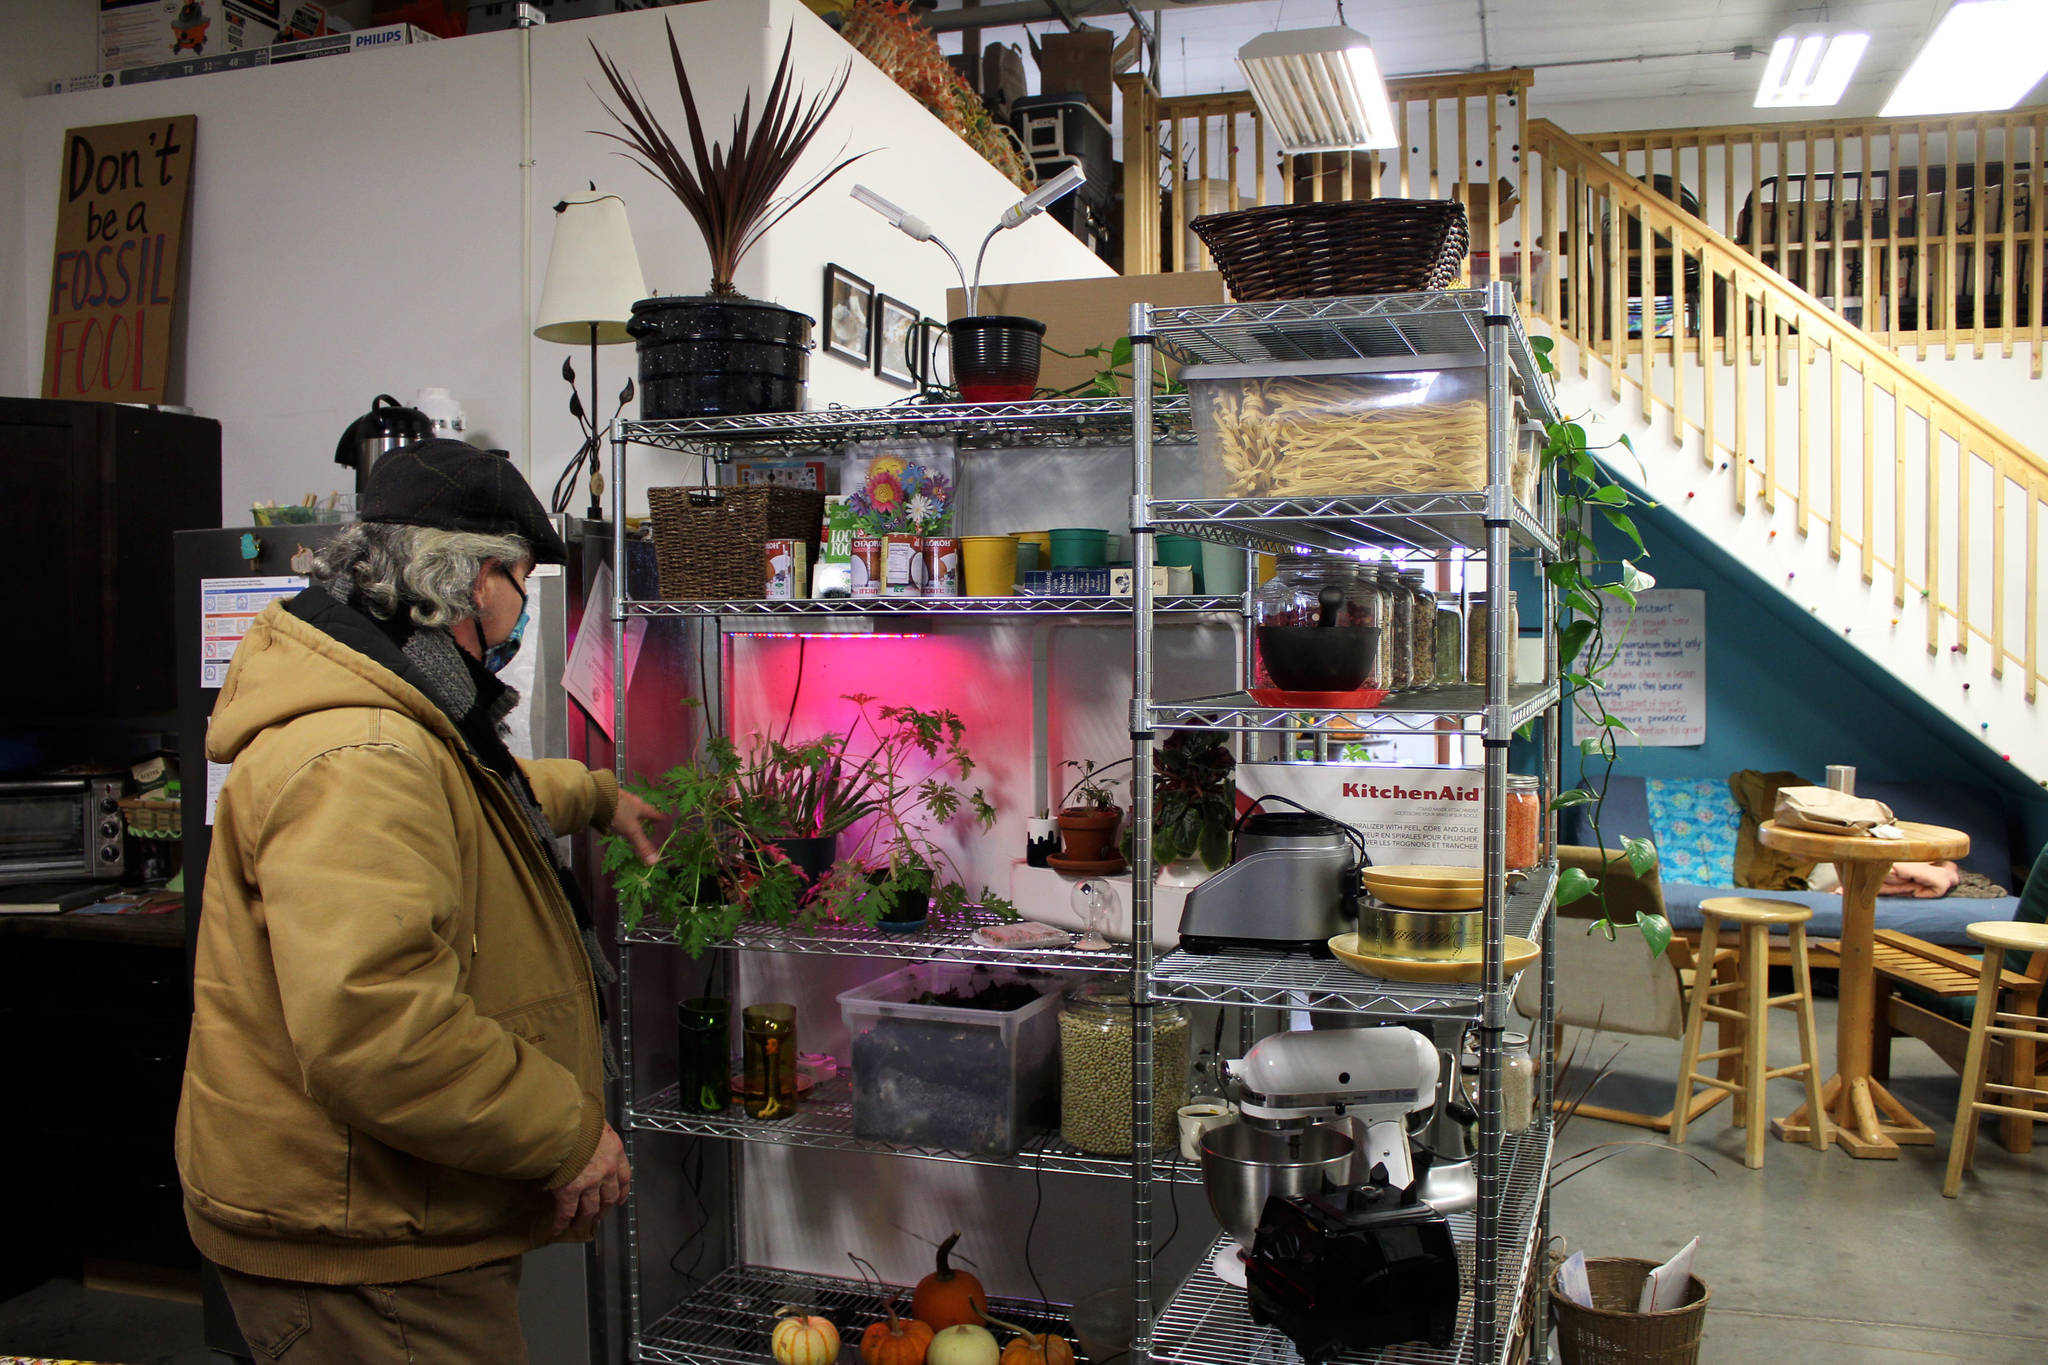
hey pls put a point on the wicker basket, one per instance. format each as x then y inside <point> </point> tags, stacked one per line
<point>718,549</point>
<point>1336,248</point>
<point>152,817</point>
<point>1613,1333</point>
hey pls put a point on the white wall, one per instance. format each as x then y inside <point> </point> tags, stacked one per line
<point>357,223</point>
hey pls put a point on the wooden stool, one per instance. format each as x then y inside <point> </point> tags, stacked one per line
<point>1754,917</point>
<point>2022,1029</point>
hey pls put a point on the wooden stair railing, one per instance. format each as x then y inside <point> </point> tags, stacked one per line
<point>1906,477</point>
<point>1461,137</point>
<point>1924,232</point>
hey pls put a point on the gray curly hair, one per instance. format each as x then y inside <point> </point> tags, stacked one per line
<point>429,572</point>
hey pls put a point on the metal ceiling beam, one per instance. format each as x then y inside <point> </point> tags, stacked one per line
<point>1038,11</point>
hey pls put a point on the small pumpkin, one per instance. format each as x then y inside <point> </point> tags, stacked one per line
<point>1032,1348</point>
<point>963,1344</point>
<point>948,1297</point>
<point>896,1340</point>
<point>802,1340</point>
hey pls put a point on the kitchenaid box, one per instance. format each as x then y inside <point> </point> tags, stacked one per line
<point>1406,814</point>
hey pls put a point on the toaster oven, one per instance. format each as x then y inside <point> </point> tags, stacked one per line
<point>62,829</point>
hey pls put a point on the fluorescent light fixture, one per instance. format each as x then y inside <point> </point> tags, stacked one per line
<point>1034,203</point>
<point>1319,90</point>
<point>1810,66</point>
<point>910,224</point>
<point>1983,55</point>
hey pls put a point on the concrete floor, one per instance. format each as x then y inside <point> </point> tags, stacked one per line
<point>1817,1257</point>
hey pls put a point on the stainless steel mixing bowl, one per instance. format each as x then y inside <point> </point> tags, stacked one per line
<point>1243,1164</point>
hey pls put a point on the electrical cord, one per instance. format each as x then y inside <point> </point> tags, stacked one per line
<point>1037,1203</point>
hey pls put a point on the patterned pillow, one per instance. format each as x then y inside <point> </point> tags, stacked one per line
<point>1694,821</point>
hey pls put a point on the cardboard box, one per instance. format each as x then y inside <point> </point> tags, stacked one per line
<point>1079,314</point>
<point>442,18</point>
<point>334,45</point>
<point>145,32</point>
<point>1077,63</point>
<point>1168,580</point>
<point>305,20</point>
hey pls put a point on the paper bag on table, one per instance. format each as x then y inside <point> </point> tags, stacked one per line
<point>1824,810</point>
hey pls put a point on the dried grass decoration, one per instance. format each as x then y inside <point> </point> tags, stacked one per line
<point>730,190</point>
<point>890,34</point>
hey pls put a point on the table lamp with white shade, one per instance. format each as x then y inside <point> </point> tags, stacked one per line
<point>592,283</point>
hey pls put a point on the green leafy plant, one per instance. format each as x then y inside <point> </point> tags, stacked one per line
<point>1116,375</point>
<point>1096,791</point>
<point>1193,798</point>
<point>732,191</point>
<point>917,759</point>
<point>804,791</point>
<point>1596,604</point>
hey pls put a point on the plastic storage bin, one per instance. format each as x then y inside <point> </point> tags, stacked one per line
<point>966,1080</point>
<point>1334,427</point>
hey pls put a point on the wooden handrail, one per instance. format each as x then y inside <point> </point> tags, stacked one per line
<point>1868,214</point>
<point>1615,242</point>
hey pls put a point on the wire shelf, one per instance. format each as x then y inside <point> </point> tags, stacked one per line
<point>1246,976</point>
<point>1417,712</point>
<point>1434,522</point>
<point>1436,322</point>
<point>729,1320</point>
<point>1051,422</point>
<point>947,937</point>
<point>1207,1323</point>
<point>824,1119</point>
<point>928,606</point>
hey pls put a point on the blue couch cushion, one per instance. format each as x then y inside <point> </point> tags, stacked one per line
<point>1694,822</point>
<point>1626,815</point>
<point>1938,921</point>
<point>1973,810</point>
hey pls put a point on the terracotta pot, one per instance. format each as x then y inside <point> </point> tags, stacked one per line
<point>1089,835</point>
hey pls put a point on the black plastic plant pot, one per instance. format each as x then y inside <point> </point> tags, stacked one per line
<point>812,857</point>
<point>906,912</point>
<point>719,357</point>
<point>995,358</point>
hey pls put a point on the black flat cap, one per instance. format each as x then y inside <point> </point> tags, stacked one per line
<point>453,486</point>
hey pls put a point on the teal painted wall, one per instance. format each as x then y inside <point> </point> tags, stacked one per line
<point>1784,692</point>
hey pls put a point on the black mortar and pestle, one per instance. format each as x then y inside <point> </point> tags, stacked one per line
<point>1324,657</point>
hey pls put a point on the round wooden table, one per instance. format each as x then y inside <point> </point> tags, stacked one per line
<point>1868,1121</point>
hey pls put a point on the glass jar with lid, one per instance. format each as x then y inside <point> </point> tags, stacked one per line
<point>1421,630</point>
<point>1096,1026</point>
<point>1523,836</point>
<point>1400,629</point>
<point>1318,625</point>
<point>1476,618</point>
<point>1450,643</point>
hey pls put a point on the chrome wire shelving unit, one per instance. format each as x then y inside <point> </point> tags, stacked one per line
<point>728,1320</point>
<point>1204,1322</point>
<point>1049,422</point>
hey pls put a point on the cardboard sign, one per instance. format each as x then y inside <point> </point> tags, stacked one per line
<point>114,278</point>
<point>1658,682</point>
<point>1407,813</point>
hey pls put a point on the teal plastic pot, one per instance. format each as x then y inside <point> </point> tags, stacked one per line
<point>1079,547</point>
<point>1184,551</point>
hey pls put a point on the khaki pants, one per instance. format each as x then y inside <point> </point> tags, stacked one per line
<point>466,1317</point>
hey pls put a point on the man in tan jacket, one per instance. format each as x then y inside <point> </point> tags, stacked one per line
<point>395,1083</point>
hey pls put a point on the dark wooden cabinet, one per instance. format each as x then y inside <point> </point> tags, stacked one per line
<point>94,492</point>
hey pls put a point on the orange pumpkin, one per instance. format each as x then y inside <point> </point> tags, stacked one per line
<point>896,1340</point>
<point>801,1340</point>
<point>948,1297</point>
<point>1032,1348</point>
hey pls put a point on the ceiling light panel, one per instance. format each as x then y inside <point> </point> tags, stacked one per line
<point>1810,66</point>
<point>1984,55</point>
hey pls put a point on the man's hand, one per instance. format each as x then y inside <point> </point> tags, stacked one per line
<point>603,1184</point>
<point>630,821</point>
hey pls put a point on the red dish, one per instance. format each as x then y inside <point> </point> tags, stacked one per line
<point>1318,701</point>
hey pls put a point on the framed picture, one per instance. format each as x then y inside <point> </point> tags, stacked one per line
<point>849,311</point>
<point>895,333</point>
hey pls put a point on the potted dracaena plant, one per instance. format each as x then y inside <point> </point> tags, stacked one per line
<point>723,353</point>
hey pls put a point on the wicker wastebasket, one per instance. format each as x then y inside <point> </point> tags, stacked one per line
<point>713,549</point>
<point>1613,1333</point>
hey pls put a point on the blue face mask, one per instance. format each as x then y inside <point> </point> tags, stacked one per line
<point>498,655</point>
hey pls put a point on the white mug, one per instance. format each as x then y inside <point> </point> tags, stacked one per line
<point>1197,1119</point>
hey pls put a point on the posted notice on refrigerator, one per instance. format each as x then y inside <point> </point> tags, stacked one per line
<point>588,675</point>
<point>1406,813</point>
<point>1658,680</point>
<point>226,607</point>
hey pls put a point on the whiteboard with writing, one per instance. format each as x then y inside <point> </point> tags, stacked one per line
<point>1658,682</point>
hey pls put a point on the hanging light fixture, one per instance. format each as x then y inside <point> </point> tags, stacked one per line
<point>1983,55</point>
<point>1319,90</point>
<point>1810,66</point>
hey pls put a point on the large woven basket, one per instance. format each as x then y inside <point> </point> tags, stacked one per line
<point>1613,1333</point>
<point>717,549</point>
<point>1336,248</point>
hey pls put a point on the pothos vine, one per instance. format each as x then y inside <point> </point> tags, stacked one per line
<point>1589,641</point>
